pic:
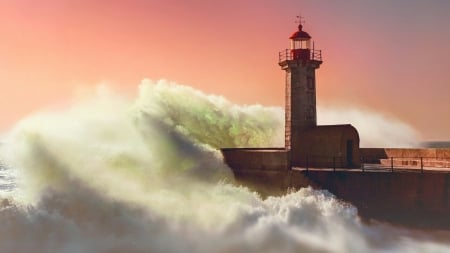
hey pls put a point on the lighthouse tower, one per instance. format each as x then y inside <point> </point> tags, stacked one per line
<point>300,63</point>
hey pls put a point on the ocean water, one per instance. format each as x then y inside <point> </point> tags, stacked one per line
<point>111,174</point>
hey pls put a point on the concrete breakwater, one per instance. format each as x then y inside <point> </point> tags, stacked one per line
<point>413,198</point>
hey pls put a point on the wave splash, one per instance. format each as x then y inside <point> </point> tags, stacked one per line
<point>110,175</point>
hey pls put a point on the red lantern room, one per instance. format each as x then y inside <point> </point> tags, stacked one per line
<point>300,45</point>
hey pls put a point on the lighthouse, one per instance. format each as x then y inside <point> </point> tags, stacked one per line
<point>307,145</point>
<point>299,62</point>
<point>305,141</point>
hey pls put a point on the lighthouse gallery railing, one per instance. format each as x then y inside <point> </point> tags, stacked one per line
<point>288,55</point>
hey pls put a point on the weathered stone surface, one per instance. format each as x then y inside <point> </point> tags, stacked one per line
<point>416,199</point>
<point>256,159</point>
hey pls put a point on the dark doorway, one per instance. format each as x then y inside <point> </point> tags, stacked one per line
<point>349,153</point>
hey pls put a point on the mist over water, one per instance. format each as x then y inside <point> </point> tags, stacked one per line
<point>375,129</point>
<point>114,175</point>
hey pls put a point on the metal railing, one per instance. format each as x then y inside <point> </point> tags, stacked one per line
<point>323,162</point>
<point>288,55</point>
<point>405,164</point>
<point>376,164</point>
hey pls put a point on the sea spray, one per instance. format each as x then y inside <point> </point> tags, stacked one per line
<point>211,120</point>
<point>110,175</point>
<point>375,129</point>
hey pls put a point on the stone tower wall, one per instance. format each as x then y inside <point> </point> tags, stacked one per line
<point>300,100</point>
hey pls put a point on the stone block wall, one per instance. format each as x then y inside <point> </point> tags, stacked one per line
<point>257,159</point>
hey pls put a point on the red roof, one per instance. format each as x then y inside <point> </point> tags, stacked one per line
<point>300,34</point>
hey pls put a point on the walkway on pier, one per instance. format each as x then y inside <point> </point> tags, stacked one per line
<point>378,167</point>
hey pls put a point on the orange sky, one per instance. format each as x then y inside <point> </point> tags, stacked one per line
<point>388,56</point>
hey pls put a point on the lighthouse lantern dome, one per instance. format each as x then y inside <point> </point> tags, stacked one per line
<point>300,39</point>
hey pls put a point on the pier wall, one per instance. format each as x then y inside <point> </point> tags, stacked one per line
<point>266,159</point>
<point>408,198</point>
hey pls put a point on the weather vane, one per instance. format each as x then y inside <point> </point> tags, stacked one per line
<point>300,20</point>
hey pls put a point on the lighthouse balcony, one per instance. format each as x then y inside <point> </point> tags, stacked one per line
<point>299,55</point>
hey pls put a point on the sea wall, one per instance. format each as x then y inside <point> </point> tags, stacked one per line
<point>266,159</point>
<point>272,182</point>
<point>265,170</point>
<point>407,198</point>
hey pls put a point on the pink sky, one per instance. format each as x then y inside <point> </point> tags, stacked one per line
<point>388,56</point>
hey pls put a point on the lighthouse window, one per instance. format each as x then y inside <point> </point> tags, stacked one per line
<point>310,83</point>
<point>300,44</point>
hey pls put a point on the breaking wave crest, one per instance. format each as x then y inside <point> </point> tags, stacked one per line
<point>111,175</point>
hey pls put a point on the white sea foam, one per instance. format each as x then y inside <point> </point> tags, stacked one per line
<point>111,175</point>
